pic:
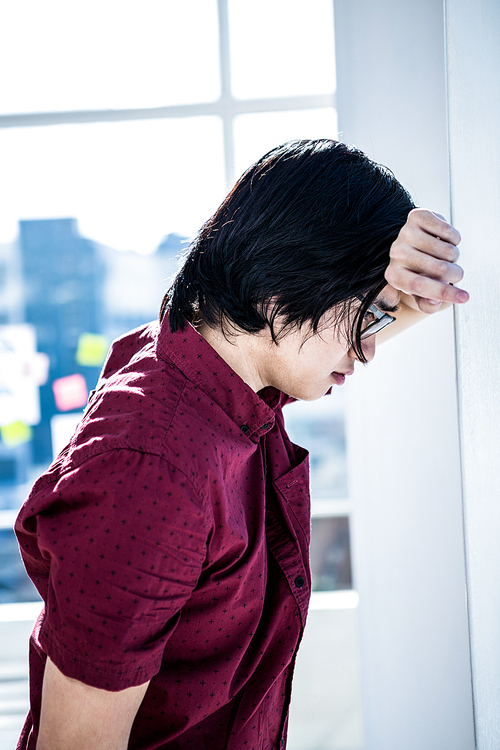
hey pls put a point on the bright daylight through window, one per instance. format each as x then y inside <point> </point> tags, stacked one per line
<point>118,139</point>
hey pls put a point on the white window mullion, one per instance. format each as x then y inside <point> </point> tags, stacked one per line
<point>226,96</point>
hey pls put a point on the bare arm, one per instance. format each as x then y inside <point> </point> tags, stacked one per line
<point>406,315</point>
<point>75,716</point>
<point>423,268</point>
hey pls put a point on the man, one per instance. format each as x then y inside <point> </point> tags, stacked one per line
<point>169,540</point>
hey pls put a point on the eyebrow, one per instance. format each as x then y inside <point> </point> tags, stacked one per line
<point>385,306</point>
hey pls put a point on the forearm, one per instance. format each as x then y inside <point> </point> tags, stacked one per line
<point>407,315</point>
<point>75,716</point>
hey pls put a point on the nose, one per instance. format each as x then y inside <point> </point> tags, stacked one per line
<point>368,345</point>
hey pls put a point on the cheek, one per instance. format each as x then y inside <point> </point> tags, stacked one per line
<point>320,355</point>
<point>369,347</point>
<point>328,360</point>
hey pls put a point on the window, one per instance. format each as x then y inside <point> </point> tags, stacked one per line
<point>112,160</point>
<point>118,139</point>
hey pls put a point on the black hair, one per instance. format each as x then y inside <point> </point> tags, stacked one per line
<point>306,230</point>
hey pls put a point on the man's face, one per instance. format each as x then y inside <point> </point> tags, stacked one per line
<point>307,366</point>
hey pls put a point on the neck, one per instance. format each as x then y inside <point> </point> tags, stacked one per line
<point>242,351</point>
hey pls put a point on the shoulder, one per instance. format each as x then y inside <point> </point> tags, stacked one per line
<point>134,403</point>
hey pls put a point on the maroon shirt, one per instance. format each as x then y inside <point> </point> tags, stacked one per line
<point>169,542</point>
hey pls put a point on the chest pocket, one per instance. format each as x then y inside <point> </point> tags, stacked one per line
<point>288,528</point>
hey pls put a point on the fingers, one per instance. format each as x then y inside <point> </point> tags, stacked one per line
<point>423,261</point>
<point>427,305</point>
<point>426,290</point>
<point>425,287</point>
<point>432,224</point>
<point>432,265</point>
<point>415,236</point>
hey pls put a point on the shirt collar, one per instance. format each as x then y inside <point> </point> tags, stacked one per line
<point>253,413</point>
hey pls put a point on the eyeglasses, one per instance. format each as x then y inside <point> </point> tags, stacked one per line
<point>379,320</point>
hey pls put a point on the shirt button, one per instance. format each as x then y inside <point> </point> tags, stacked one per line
<point>299,581</point>
<point>265,426</point>
<point>245,428</point>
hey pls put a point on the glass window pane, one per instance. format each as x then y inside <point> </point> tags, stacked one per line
<point>255,134</point>
<point>15,586</point>
<point>319,427</point>
<point>281,47</point>
<point>74,197</point>
<point>127,183</point>
<point>330,554</point>
<point>58,55</point>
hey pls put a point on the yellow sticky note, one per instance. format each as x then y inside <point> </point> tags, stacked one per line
<point>15,433</point>
<point>92,349</point>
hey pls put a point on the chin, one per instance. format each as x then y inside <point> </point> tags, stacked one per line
<point>309,394</point>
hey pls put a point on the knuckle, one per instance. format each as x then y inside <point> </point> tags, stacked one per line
<point>423,305</point>
<point>450,234</point>
<point>424,217</point>
<point>419,286</point>
<point>416,212</point>
<point>415,218</point>
<point>441,269</point>
<point>449,293</point>
<point>428,215</point>
<point>396,251</point>
<point>429,308</point>
<point>391,275</point>
<point>436,224</point>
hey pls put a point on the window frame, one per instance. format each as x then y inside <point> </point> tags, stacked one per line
<point>227,107</point>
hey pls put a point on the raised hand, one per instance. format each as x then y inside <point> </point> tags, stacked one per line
<point>423,263</point>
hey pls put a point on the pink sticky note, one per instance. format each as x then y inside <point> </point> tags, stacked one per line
<point>70,392</point>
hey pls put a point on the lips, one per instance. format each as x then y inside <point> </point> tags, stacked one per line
<point>339,377</point>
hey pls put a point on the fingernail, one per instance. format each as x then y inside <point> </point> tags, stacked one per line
<point>462,296</point>
<point>434,301</point>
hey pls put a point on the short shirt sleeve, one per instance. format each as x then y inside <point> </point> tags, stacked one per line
<point>125,534</point>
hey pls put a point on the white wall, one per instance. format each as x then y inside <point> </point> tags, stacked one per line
<point>473,34</point>
<point>325,713</point>
<point>402,426</point>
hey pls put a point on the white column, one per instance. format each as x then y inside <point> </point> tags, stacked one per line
<point>402,418</point>
<point>473,40</point>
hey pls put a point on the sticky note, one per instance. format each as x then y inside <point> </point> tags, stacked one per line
<point>22,370</point>
<point>70,392</point>
<point>15,433</point>
<point>92,349</point>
